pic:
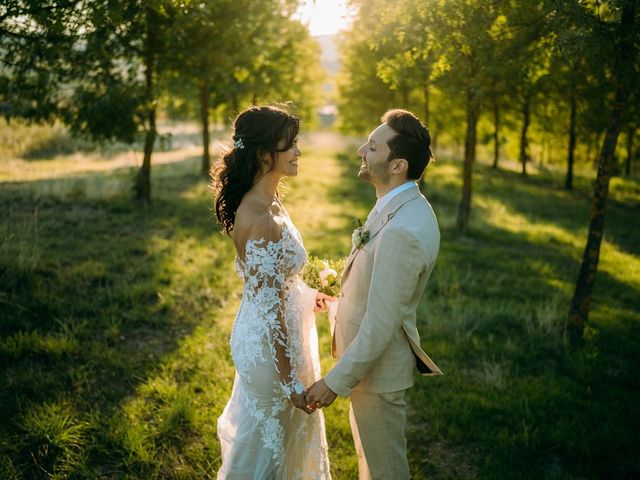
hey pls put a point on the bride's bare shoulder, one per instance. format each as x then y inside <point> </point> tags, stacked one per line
<point>255,221</point>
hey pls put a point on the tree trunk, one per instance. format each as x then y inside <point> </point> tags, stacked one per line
<point>426,102</point>
<point>579,311</point>
<point>627,165</point>
<point>143,182</point>
<point>596,142</point>
<point>568,182</point>
<point>204,117</point>
<point>548,148</point>
<point>496,133</point>
<point>235,104</point>
<point>524,142</point>
<point>426,119</point>
<point>464,209</point>
<point>589,147</point>
<point>143,179</point>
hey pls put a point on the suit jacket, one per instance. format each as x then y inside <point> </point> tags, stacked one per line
<point>375,338</point>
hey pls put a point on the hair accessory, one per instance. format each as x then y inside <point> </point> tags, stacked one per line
<point>238,144</point>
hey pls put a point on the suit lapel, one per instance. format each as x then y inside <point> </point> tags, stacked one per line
<point>354,250</point>
<point>348,262</point>
<point>378,221</point>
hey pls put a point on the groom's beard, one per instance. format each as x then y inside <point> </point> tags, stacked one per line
<point>363,174</point>
<point>373,173</point>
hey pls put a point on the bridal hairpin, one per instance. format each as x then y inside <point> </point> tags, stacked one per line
<point>238,144</point>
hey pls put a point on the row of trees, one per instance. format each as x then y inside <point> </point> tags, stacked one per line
<point>570,65</point>
<point>103,67</point>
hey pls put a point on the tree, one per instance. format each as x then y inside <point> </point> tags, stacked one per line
<point>201,56</point>
<point>529,47</point>
<point>412,64</point>
<point>496,96</point>
<point>36,37</point>
<point>505,67</point>
<point>574,83</point>
<point>152,42</point>
<point>619,42</point>
<point>290,71</point>
<point>631,131</point>
<point>280,62</point>
<point>92,64</point>
<point>362,95</point>
<point>466,29</point>
<point>571,148</point>
<point>630,120</point>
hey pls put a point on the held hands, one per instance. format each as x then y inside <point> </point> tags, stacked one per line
<point>319,395</point>
<point>321,302</point>
<point>299,402</point>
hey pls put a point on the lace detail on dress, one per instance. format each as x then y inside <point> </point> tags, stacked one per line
<point>272,361</point>
<point>269,268</point>
<point>272,431</point>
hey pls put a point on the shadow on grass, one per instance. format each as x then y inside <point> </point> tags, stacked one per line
<point>515,402</point>
<point>538,198</point>
<point>94,296</point>
<point>100,298</point>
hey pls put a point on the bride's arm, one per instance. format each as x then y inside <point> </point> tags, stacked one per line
<point>308,296</point>
<point>264,259</point>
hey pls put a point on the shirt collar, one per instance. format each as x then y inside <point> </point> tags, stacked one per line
<point>386,198</point>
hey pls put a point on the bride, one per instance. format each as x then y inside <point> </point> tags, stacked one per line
<point>266,430</point>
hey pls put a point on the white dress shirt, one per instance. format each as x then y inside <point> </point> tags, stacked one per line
<point>386,198</point>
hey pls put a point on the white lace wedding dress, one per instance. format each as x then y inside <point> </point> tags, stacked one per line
<point>274,345</point>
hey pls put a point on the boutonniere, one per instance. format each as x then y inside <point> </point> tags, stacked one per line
<point>360,235</point>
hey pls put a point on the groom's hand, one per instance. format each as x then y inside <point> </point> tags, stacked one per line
<point>299,401</point>
<point>320,395</point>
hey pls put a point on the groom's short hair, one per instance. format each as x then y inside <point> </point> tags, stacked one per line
<point>411,142</point>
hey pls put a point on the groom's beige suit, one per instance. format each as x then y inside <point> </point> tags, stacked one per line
<point>375,337</point>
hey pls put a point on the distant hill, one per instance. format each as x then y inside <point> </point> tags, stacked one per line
<point>329,59</point>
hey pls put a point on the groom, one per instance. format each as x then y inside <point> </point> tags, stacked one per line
<point>375,339</point>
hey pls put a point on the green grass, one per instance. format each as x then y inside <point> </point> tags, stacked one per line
<point>115,318</point>
<point>33,142</point>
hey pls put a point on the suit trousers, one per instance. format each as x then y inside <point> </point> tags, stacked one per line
<point>378,423</point>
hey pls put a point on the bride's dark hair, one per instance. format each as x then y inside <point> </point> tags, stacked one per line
<point>257,131</point>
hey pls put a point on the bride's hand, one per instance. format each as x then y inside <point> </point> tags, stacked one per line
<point>321,302</point>
<point>299,402</point>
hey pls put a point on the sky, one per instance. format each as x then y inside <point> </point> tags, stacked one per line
<point>324,17</point>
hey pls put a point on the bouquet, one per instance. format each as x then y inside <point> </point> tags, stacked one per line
<point>323,275</point>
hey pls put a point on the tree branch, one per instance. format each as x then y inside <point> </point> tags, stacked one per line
<point>37,9</point>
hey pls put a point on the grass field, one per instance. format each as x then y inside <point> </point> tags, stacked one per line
<point>115,318</point>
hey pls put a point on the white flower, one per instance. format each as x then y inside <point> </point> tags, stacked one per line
<point>360,236</point>
<point>325,274</point>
